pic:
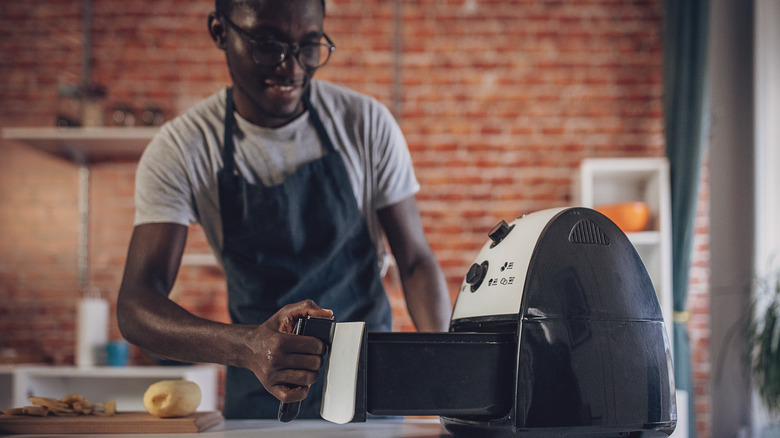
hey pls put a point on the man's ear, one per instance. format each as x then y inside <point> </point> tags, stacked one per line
<point>217,30</point>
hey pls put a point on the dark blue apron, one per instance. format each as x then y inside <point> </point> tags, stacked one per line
<point>304,238</point>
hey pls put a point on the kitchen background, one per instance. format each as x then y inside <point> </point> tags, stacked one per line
<point>500,101</point>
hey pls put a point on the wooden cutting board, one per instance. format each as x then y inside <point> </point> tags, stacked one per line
<point>122,422</point>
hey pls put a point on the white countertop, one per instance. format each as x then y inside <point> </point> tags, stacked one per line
<point>374,428</point>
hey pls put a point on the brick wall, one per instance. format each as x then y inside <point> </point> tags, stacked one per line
<point>699,306</point>
<point>499,100</point>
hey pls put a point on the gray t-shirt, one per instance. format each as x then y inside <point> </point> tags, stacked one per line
<point>176,179</point>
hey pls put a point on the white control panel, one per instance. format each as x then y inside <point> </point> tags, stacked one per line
<point>494,284</point>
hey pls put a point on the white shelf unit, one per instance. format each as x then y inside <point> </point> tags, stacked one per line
<point>126,385</point>
<point>611,180</point>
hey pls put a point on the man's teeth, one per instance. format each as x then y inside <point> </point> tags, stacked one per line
<point>281,87</point>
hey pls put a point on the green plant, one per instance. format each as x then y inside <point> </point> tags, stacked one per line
<point>764,341</point>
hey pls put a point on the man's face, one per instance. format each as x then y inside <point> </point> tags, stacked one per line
<point>270,95</point>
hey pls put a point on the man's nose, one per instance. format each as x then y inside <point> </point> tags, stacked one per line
<point>292,65</point>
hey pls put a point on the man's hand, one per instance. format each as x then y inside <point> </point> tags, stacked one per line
<point>287,364</point>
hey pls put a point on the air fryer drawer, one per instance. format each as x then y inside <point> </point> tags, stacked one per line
<point>453,374</point>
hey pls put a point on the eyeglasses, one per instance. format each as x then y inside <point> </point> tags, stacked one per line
<point>271,52</point>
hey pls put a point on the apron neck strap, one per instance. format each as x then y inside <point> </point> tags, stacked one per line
<point>230,123</point>
<point>314,116</point>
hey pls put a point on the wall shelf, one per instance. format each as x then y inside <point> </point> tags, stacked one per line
<point>85,145</point>
<point>645,238</point>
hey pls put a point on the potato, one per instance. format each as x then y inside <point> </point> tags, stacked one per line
<point>172,398</point>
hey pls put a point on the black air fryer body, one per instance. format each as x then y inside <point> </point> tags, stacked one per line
<point>592,356</point>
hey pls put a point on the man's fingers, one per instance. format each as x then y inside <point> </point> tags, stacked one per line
<point>304,362</point>
<point>292,385</point>
<point>294,378</point>
<point>300,344</point>
<point>290,313</point>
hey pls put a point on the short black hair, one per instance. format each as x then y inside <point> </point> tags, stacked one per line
<point>223,6</point>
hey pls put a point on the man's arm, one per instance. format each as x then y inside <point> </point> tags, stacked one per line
<point>284,363</point>
<point>424,285</point>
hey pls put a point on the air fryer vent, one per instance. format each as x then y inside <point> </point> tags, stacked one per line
<point>588,233</point>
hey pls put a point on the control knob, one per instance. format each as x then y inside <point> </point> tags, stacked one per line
<point>476,275</point>
<point>499,232</point>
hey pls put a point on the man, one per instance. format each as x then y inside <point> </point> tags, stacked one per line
<point>294,182</point>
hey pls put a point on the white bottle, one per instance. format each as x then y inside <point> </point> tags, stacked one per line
<point>92,329</point>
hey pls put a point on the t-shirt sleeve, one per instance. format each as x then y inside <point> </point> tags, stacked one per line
<point>395,178</point>
<point>162,189</point>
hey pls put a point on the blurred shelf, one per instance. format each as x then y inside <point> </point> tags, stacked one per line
<point>86,145</point>
<point>206,259</point>
<point>124,384</point>
<point>645,238</point>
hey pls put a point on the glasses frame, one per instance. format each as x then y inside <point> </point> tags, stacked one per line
<point>293,49</point>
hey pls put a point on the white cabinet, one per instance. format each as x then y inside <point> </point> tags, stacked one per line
<point>126,385</point>
<point>612,180</point>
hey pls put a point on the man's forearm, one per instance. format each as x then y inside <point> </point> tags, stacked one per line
<point>163,327</point>
<point>427,298</point>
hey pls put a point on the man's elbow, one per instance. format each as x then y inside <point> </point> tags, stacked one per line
<point>127,318</point>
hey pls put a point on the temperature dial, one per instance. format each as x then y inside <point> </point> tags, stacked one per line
<point>476,275</point>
